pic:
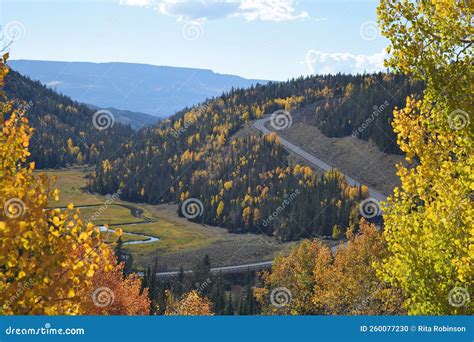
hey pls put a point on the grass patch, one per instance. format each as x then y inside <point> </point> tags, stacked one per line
<point>112,214</point>
<point>71,184</point>
<point>173,237</point>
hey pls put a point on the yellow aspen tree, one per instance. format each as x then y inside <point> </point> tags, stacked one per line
<point>228,185</point>
<point>256,216</point>
<point>246,215</point>
<point>47,256</point>
<point>429,221</point>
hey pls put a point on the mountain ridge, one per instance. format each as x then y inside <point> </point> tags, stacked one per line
<point>151,89</point>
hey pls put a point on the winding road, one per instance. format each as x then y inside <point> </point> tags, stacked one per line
<point>260,126</point>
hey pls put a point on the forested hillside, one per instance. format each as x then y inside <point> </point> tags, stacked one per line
<point>64,130</point>
<point>362,106</point>
<point>238,183</point>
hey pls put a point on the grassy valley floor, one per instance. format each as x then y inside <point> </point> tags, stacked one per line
<point>181,242</point>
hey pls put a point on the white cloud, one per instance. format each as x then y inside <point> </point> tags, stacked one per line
<point>270,10</point>
<point>264,10</point>
<point>319,62</point>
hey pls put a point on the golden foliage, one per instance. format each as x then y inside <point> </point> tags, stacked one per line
<point>340,284</point>
<point>190,304</point>
<point>430,219</point>
<point>47,256</point>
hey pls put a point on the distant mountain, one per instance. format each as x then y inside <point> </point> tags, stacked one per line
<point>155,90</point>
<point>136,120</point>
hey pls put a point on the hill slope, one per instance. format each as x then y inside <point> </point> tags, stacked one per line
<point>155,90</point>
<point>65,131</point>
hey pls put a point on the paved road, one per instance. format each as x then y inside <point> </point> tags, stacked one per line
<point>225,269</point>
<point>260,125</point>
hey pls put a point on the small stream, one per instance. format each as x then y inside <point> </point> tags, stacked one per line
<point>149,239</point>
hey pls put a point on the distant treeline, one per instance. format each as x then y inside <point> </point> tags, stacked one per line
<point>230,294</point>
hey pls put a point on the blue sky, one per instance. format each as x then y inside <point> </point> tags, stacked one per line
<point>264,39</point>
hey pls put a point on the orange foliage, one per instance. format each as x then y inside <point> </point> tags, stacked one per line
<point>112,294</point>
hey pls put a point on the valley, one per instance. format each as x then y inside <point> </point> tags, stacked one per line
<point>138,180</point>
<point>181,242</point>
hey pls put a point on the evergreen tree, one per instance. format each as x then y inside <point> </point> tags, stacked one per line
<point>229,306</point>
<point>217,295</point>
<point>123,256</point>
